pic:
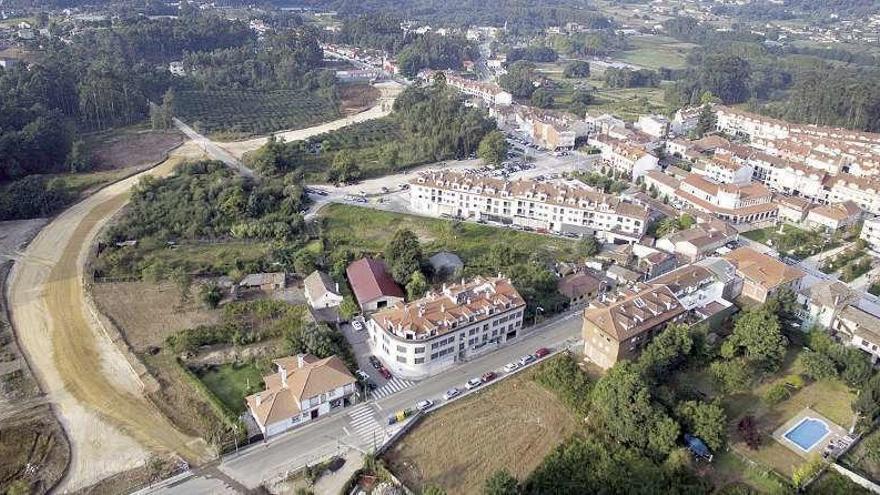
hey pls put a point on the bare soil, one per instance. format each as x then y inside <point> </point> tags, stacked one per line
<point>357,97</point>
<point>111,425</point>
<point>512,425</point>
<point>131,148</point>
<point>147,313</point>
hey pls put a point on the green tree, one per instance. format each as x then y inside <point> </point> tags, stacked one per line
<point>344,168</point>
<point>79,160</point>
<point>304,262</point>
<point>211,295</point>
<point>731,376</point>
<point>818,366</point>
<point>589,245</point>
<point>757,337</point>
<point>348,308</point>
<point>403,254</point>
<point>500,483</point>
<point>705,420</point>
<point>576,69</point>
<point>872,447</point>
<point>519,80</point>
<point>417,285</point>
<point>806,472</point>
<point>666,351</point>
<point>18,487</point>
<point>542,98</point>
<point>705,121</point>
<point>493,148</point>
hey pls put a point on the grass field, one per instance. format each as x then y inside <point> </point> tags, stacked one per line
<point>512,425</point>
<point>367,229</point>
<point>654,52</point>
<point>231,383</point>
<point>238,114</point>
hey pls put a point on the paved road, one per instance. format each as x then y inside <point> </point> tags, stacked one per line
<point>363,426</point>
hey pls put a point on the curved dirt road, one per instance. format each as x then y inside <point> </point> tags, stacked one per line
<point>111,426</point>
<point>389,91</point>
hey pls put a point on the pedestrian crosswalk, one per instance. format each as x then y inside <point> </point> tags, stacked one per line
<point>391,387</point>
<point>365,426</point>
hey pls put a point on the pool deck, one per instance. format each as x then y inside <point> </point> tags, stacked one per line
<point>836,438</point>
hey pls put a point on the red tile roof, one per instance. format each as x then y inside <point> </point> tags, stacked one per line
<point>369,279</point>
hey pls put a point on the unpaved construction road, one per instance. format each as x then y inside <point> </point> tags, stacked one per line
<point>99,398</point>
<point>388,93</point>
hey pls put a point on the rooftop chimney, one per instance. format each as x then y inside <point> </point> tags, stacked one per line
<point>259,399</point>
<point>283,373</point>
<point>300,361</point>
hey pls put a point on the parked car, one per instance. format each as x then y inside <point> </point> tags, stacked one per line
<point>362,375</point>
<point>371,385</point>
<point>488,376</point>
<point>425,405</point>
<point>528,358</point>
<point>473,383</point>
<point>374,362</point>
<point>542,352</point>
<point>452,392</point>
<point>385,373</point>
<point>357,325</point>
<point>511,367</point>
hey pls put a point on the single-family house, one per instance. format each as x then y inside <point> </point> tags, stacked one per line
<point>580,288</point>
<point>321,291</point>
<point>763,275</point>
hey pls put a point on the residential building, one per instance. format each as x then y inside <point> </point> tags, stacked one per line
<point>580,288</point>
<point>372,285</point>
<point>859,329</point>
<point>792,209</point>
<point>655,263</point>
<point>663,184</point>
<point>871,233</point>
<point>696,286</point>
<point>863,191</point>
<point>303,389</point>
<point>698,241</point>
<point>321,291</point>
<point>549,129</point>
<point>821,302</point>
<point>264,281</point>
<point>763,275</point>
<point>834,217</point>
<point>528,203</point>
<point>622,156</point>
<point>657,126</point>
<point>735,203</point>
<point>490,93</point>
<point>787,177</point>
<point>724,169</point>
<point>617,327</point>
<point>426,336</point>
<point>685,120</point>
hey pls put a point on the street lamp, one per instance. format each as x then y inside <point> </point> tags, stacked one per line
<point>538,309</point>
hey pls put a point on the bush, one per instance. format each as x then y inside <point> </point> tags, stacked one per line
<point>818,366</point>
<point>31,197</point>
<point>562,376</point>
<point>776,394</point>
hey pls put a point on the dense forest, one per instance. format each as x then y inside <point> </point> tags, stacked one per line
<point>737,67</point>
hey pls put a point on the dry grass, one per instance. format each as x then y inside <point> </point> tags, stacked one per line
<point>512,425</point>
<point>128,148</point>
<point>147,313</point>
<point>33,448</point>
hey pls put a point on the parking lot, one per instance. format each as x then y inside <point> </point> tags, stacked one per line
<point>381,386</point>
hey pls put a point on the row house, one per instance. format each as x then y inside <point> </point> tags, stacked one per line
<point>699,241</point>
<point>663,184</point>
<point>724,169</point>
<point>528,203</point>
<point>490,93</point>
<point>624,157</point>
<point>871,233</point>
<point>426,336</point>
<point>863,191</point>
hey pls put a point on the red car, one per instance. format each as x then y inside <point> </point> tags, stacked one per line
<point>385,373</point>
<point>488,376</point>
<point>542,352</point>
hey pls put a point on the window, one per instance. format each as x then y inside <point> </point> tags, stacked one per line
<point>420,350</point>
<point>420,360</point>
<point>401,359</point>
<point>401,348</point>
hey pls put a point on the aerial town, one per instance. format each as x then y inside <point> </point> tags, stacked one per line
<point>408,247</point>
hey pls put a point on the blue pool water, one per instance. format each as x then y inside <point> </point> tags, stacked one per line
<point>808,433</point>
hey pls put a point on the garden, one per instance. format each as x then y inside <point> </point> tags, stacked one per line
<point>792,241</point>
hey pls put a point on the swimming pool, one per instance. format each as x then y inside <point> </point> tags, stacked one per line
<point>808,433</point>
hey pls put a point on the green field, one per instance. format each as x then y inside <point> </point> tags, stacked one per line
<point>368,230</point>
<point>231,383</point>
<point>237,114</point>
<point>655,52</point>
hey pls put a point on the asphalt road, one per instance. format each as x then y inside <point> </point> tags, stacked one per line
<point>364,425</point>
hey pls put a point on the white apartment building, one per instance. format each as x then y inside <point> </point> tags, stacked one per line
<point>724,169</point>
<point>871,233</point>
<point>630,160</point>
<point>664,184</point>
<point>656,126</point>
<point>491,93</point>
<point>863,191</point>
<point>788,177</point>
<point>528,203</point>
<point>423,337</point>
<point>734,122</point>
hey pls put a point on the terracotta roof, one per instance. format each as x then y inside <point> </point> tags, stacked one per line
<point>578,284</point>
<point>633,312</point>
<point>370,280</point>
<point>311,377</point>
<point>682,278</point>
<point>766,271</point>
<point>837,211</point>
<point>665,179</point>
<point>456,305</point>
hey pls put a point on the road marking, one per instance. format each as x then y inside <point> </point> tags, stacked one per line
<point>347,433</point>
<point>392,387</point>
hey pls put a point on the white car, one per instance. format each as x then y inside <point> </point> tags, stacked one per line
<point>362,374</point>
<point>424,405</point>
<point>357,325</point>
<point>473,383</point>
<point>528,358</point>
<point>452,392</point>
<point>511,367</point>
